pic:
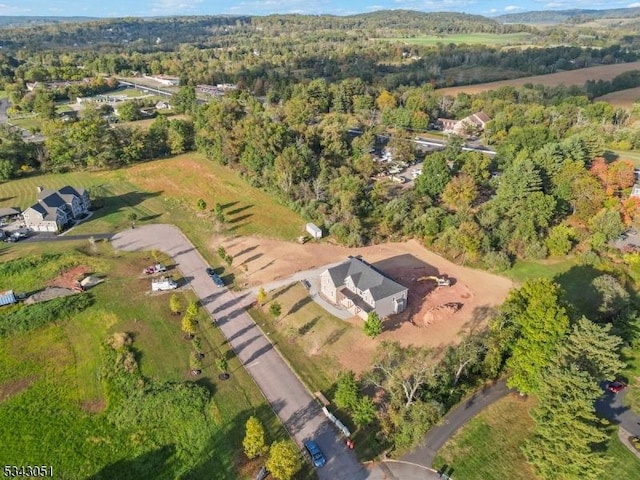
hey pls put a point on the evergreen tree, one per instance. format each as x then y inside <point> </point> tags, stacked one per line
<point>373,325</point>
<point>569,440</point>
<point>541,321</point>
<point>346,395</point>
<point>254,439</point>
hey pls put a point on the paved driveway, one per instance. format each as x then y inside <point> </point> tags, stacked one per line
<point>297,409</point>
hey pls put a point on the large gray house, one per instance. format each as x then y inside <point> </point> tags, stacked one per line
<point>55,208</point>
<point>361,288</point>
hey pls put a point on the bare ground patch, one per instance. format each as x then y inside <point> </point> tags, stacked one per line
<point>573,77</point>
<point>623,98</point>
<point>435,316</point>
<point>14,387</point>
<point>70,278</point>
<point>94,406</point>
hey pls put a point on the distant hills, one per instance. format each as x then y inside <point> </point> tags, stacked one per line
<point>440,22</point>
<point>26,21</point>
<point>567,16</point>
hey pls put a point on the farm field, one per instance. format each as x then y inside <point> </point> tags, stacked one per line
<point>623,98</point>
<point>489,446</point>
<point>574,77</point>
<point>58,380</point>
<point>470,38</point>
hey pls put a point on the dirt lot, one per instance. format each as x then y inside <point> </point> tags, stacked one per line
<point>435,316</point>
<point>574,77</point>
<point>69,278</point>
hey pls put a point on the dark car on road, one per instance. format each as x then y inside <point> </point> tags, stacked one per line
<point>215,277</point>
<point>314,451</point>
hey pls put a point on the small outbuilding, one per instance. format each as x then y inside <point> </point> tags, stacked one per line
<point>7,298</point>
<point>314,231</point>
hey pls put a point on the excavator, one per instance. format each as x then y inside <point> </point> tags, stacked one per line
<point>440,281</point>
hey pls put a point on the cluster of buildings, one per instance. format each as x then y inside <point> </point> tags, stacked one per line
<point>215,90</point>
<point>468,126</point>
<point>31,86</point>
<point>165,80</point>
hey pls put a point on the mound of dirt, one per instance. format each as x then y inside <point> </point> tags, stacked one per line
<point>70,278</point>
<point>435,314</point>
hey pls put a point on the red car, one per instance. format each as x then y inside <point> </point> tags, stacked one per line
<point>616,387</point>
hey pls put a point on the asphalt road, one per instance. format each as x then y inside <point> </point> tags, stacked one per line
<point>297,409</point>
<point>437,436</point>
<point>610,406</point>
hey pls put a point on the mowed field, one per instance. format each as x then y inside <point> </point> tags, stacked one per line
<point>168,191</point>
<point>574,77</point>
<point>470,38</point>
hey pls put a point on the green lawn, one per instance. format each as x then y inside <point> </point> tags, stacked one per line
<point>489,446</point>
<point>167,191</point>
<point>470,38</point>
<point>301,335</point>
<point>52,398</point>
<point>575,279</point>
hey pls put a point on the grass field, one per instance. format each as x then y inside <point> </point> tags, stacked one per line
<point>167,191</point>
<point>52,398</point>
<point>489,446</point>
<point>303,335</point>
<point>471,39</point>
<point>573,77</point>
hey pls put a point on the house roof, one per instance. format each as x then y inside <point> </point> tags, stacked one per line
<point>482,116</point>
<point>47,213</point>
<point>9,211</point>
<point>365,277</point>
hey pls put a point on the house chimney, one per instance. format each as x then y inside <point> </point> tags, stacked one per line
<point>39,189</point>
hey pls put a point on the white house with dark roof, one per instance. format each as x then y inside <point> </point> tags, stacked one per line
<point>55,208</point>
<point>361,288</point>
<point>474,122</point>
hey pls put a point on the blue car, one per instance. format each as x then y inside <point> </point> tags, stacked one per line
<point>215,277</point>
<point>316,454</point>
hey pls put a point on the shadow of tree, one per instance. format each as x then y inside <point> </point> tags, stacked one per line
<point>119,203</point>
<point>150,465</point>
<point>307,327</point>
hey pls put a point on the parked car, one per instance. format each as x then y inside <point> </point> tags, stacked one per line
<point>314,451</point>
<point>262,473</point>
<point>155,269</point>
<point>215,277</point>
<point>616,386</point>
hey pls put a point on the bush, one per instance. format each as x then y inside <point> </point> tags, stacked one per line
<point>373,325</point>
<point>29,317</point>
<point>497,261</point>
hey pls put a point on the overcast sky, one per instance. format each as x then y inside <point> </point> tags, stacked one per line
<point>121,8</point>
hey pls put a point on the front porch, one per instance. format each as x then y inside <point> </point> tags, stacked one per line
<point>354,303</point>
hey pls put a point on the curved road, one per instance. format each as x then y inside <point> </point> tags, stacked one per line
<point>609,406</point>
